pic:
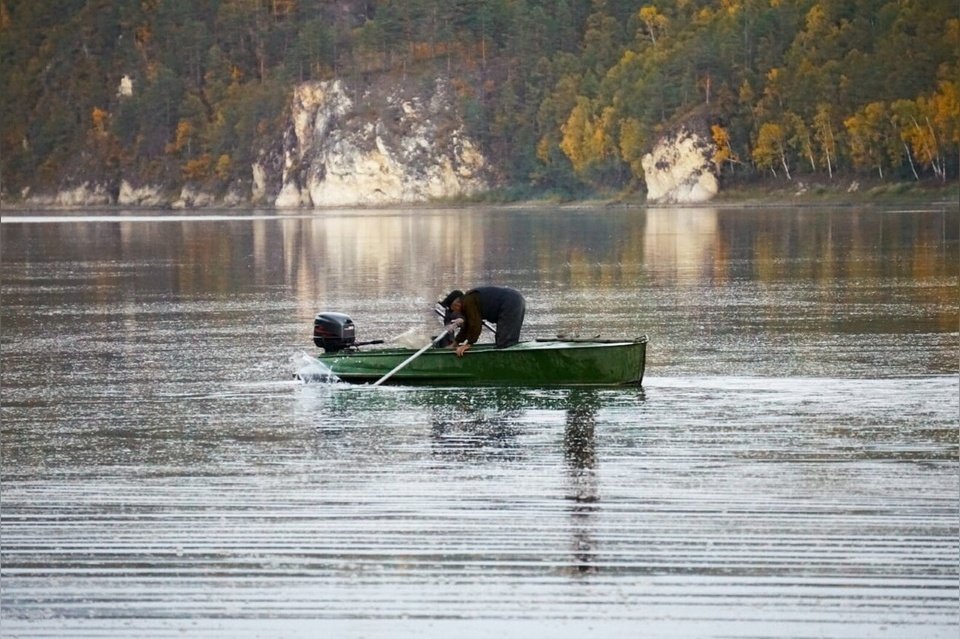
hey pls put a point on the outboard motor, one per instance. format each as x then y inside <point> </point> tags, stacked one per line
<point>333,331</point>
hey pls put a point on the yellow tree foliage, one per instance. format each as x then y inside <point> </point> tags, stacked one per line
<point>580,136</point>
<point>100,119</point>
<point>654,22</point>
<point>918,141</point>
<point>770,148</point>
<point>101,142</point>
<point>575,131</point>
<point>732,7</point>
<point>945,105</point>
<point>943,115</point>
<point>587,139</point>
<point>931,126</point>
<point>197,169</point>
<point>183,138</point>
<point>816,21</point>
<point>865,130</point>
<point>724,153</point>
<point>771,101</point>
<point>603,144</point>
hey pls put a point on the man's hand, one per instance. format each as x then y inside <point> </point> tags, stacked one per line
<point>454,325</point>
<point>463,348</point>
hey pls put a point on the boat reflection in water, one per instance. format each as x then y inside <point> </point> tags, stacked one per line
<point>464,430</point>
<point>522,436</point>
<point>583,485</point>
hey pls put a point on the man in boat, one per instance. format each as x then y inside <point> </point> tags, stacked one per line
<point>501,305</point>
<point>451,321</point>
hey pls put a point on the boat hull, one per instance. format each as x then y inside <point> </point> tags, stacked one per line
<point>540,363</point>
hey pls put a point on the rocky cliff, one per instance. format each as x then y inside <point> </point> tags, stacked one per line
<point>679,169</point>
<point>381,144</point>
<point>376,147</point>
<point>341,146</point>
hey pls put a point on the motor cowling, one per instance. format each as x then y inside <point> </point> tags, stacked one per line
<point>333,331</point>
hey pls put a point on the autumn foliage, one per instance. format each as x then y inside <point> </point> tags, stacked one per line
<point>561,94</point>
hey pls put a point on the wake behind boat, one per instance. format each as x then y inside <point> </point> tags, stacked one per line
<point>554,362</point>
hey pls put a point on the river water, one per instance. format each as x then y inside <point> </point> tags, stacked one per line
<point>789,468</point>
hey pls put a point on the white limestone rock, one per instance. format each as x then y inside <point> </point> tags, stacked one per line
<point>258,189</point>
<point>140,196</point>
<point>680,170</point>
<point>193,198</point>
<point>395,149</point>
<point>86,194</point>
<point>125,89</point>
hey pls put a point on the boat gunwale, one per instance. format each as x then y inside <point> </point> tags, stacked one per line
<point>532,346</point>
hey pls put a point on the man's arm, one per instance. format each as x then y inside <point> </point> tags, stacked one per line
<point>473,321</point>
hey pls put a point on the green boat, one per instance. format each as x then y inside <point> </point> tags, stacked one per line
<point>538,363</point>
<point>558,362</point>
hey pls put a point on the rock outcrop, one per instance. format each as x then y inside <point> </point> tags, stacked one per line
<point>193,198</point>
<point>381,147</point>
<point>84,194</point>
<point>680,170</point>
<point>387,144</point>
<point>150,196</point>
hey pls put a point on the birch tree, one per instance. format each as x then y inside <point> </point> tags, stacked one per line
<point>823,135</point>
<point>770,149</point>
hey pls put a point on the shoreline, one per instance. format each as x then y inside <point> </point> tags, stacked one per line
<point>792,196</point>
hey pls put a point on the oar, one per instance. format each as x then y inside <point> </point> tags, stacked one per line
<point>410,359</point>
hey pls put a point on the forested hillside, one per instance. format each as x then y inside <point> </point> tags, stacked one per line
<point>561,94</point>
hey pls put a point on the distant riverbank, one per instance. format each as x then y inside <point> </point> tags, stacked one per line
<point>848,192</point>
<point>796,193</point>
<point>841,193</point>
